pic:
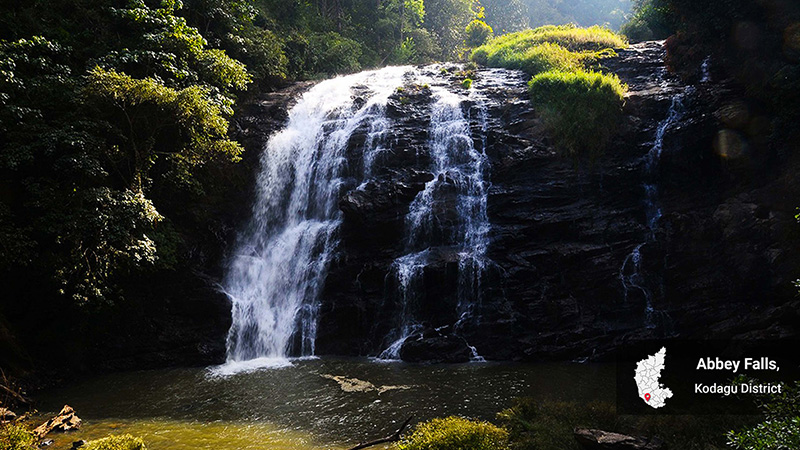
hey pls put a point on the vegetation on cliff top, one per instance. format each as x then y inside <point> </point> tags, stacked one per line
<point>580,108</point>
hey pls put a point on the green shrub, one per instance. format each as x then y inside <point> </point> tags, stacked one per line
<point>651,19</point>
<point>782,434</point>
<point>570,37</point>
<point>780,430</point>
<point>16,437</point>
<point>478,32</point>
<point>455,433</point>
<point>538,59</point>
<point>467,83</point>
<point>581,110</point>
<point>564,48</point>
<point>119,442</point>
<point>549,425</point>
<point>405,53</point>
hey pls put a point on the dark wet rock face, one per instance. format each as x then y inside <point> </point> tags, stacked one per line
<point>719,262</point>
<point>434,346</point>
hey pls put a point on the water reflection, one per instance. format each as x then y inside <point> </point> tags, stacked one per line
<point>305,405</point>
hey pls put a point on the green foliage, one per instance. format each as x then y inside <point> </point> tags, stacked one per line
<point>446,20</point>
<point>405,53</point>
<point>506,16</point>
<point>16,437</point>
<point>569,36</point>
<point>651,19</point>
<point>545,425</point>
<point>330,53</point>
<point>455,433</point>
<point>84,154</point>
<point>144,111</point>
<point>118,442</point>
<point>231,25</point>
<point>534,60</point>
<point>781,428</point>
<point>478,32</point>
<point>563,48</point>
<point>467,83</point>
<point>779,434</point>
<point>160,43</point>
<point>609,13</point>
<point>580,109</point>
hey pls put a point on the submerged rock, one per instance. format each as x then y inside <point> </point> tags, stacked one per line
<point>598,439</point>
<point>355,385</point>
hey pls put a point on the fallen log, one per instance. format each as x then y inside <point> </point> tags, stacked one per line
<point>391,438</point>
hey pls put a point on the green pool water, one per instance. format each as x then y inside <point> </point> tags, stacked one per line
<point>310,404</point>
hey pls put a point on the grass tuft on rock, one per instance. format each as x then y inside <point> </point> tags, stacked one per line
<point>565,47</point>
<point>580,109</point>
<point>453,433</point>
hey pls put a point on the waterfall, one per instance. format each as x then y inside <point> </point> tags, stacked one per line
<point>632,274</point>
<point>278,269</point>
<point>705,70</point>
<point>449,216</point>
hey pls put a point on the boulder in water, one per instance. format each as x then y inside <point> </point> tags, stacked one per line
<point>598,439</point>
<point>435,348</point>
<point>66,420</point>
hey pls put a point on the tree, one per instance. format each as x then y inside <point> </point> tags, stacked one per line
<point>446,20</point>
<point>231,25</point>
<point>651,19</point>
<point>506,16</point>
<point>151,121</point>
<point>478,32</point>
<point>78,148</point>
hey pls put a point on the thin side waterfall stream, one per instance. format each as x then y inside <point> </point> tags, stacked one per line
<point>632,275</point>
<point>458,167</point>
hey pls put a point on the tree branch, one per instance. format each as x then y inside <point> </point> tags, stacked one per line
<point>391,438</point>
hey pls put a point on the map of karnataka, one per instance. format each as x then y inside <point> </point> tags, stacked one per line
<point>648,372</point>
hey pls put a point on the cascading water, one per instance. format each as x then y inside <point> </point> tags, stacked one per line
<point>632,274</point>
<point>279,266</point>
<point>458,185</point>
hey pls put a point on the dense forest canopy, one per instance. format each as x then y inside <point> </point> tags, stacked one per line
<point>115,112</point>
